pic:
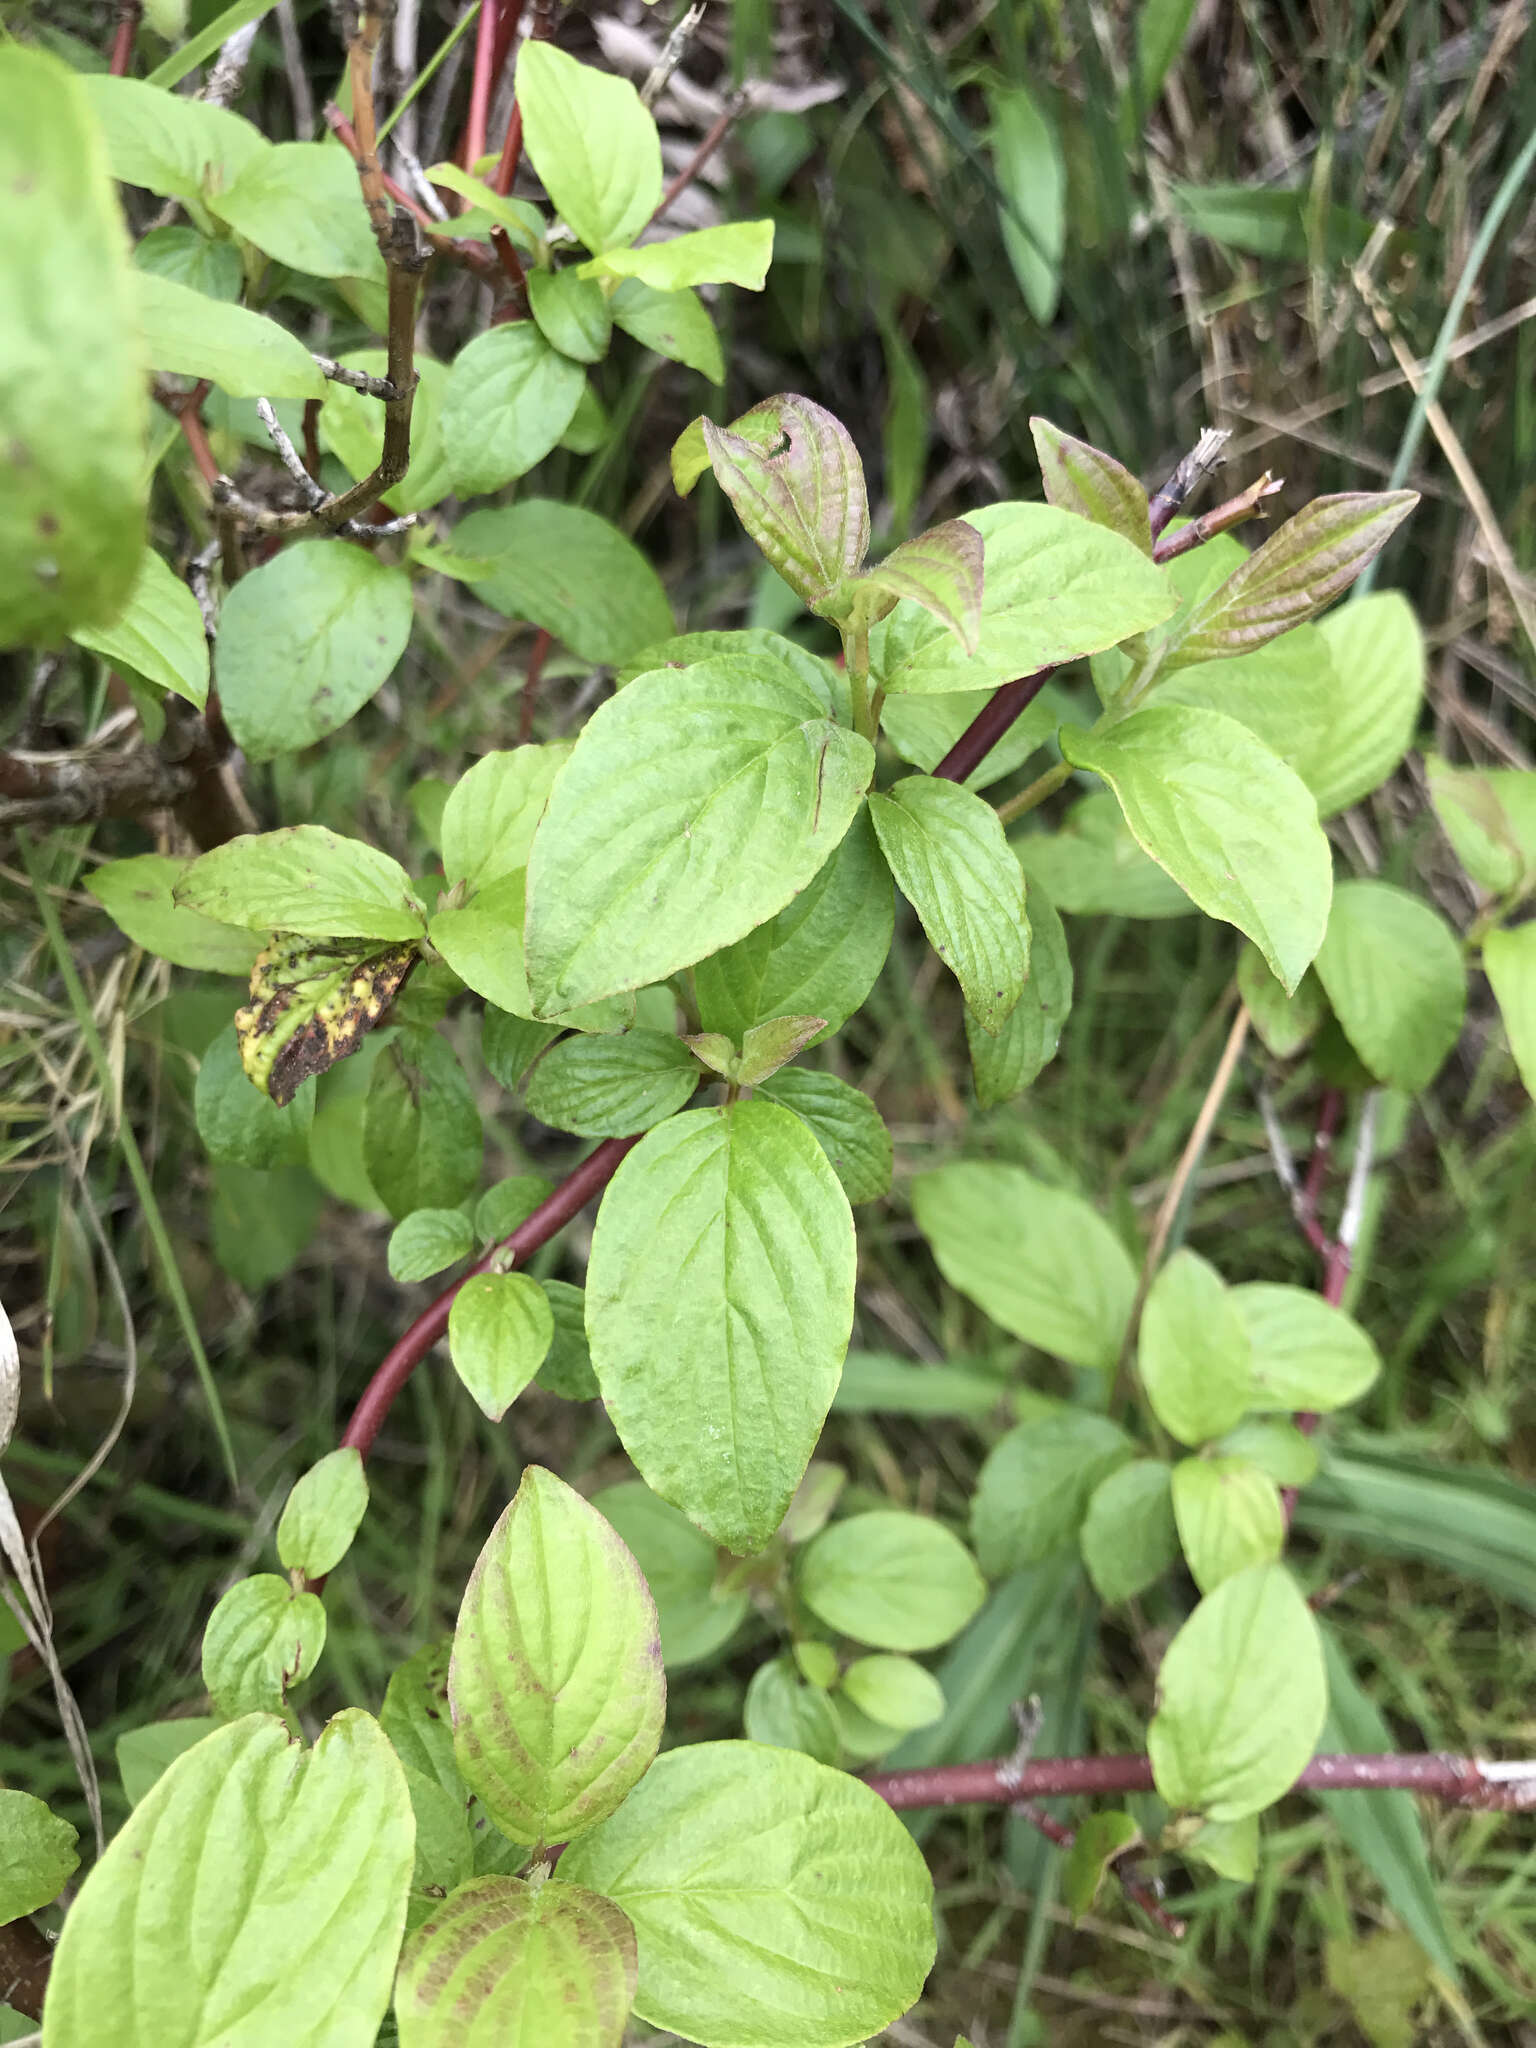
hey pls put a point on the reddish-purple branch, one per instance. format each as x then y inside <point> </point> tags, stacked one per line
<point>990,723</point>
<point>407,1352</point>
<point>1460,1780</point>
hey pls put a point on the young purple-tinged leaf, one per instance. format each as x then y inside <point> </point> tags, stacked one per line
<point>1395,977</point>
<point>1229,1517</point>
<point>846,1125</point>
<point>1242,1697</point>
<point>954,866</point>
<point>894,1580</point>
<point>261,1640</point>
<point>716,1051</point>
<point>499,1329</point>
<point>1100,1838</point>
<point>502,1963</point>
<point>39,1855</point>
<point>257,1894</point>
<point>792,472</point>
<point>1194,1355</point>
<point>556,1682</point>
<point>428,1241</point>
<point>941,570</point>
<point>312,1005</point>
<point>1302,567</point>
<point>1128,1537</point>
<point>719,1305</point>
<point>1082,479</point>
<point>1235,827</point>
<point>323,1514</point>
<point>1509,961</point>
<point>776,1903</point>
<point>1303,1352</point>
<point>159,635</point>
<point>1035,1485</point>
<point>72,410</point>
<point>767,1047</point>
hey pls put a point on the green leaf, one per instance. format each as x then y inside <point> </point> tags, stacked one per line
<point>482,941</point>
<point>715,837</point>
<point>136,895</point>
<point>951,861</point>
<point>1383,1978</point>
<point>492,811</point>
<point>569,571</point>
<point>1083,479</point>
<point>502,1963</point>
<point>324,1512</point>
<point>244,353</point>
<point>73,404</point>
<point>415,1717</point>
<point>1393,972</point>
<point>792,472</point>
<point>523,221</point>
<point>38,1858</point>
<point>1242,1698</point>
<point>1509,961</point>
<point>510,397</point>
<point>1376,643</point>
<point>1230,1847</point>
<point>1099,1839</point>
<point>873,1384</point>
<point>257,1893</point>
<point>846,1125</point>
<point>737,252</point>
<point>1384,1829</point>
<point>572,312</point>
<point>894,1691</point>
<point>159,635</point>
<point>352,427</point>
<point>190,258</point>
<point>421,1130</point>
<point>305,641</point>
<point>301,202</point>
<point>777,1904</point>
<point>1035,1484</point>
<point>1056,587</point>
<point>262,1639</point>
<point>1489,816</point>
<point>819,957</point>
<point>816,1662</point>
<point>592,143</point>
<point>567,1368</point>
<point>1128,1535</point>
<point>780,1711</point>
<point>1226,818</point>
<point>923,729</point>
<point>445,1848</point>
<point>170,143</point>
<point>1039,1260</point>
<point>1229,1517</point>
<point>1304,1353</point>
<point>1195,1355</point>
<point>556,1684</point>
<point>894,1580</point>
<point>674,324</point>
<point>428,1241</point>
<point>311,1005</point>
<point>1026,154</point>
<point>261,1221</point>
<point>1006,1062</point>
<point>698,1615</point>
<point>145,1754</point>
<point>304,879</point>
<point>1284,1022</point>
<point>815,1498</point>
<point>238,1121</point>
<point>612,1087</point>
<point>509,1203</point>
<point>719,1303</point>
<point>1090,866</point>
<point>1284,693</point>
<point>1276,1447</point>
<point>941,570</point>
<point>509,1045</point>
<point>499,1329</point>
<point>1304,565</point>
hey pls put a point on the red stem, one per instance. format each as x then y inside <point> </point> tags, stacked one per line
<point>990,723</point>
<point>537,655</point>
<point>481,86</point>
<point>714,136</point>
<point>129,14</point>
<point>403,1357</point>
<point>1002,1782</point>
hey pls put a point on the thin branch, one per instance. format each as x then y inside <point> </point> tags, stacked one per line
<point>1456,1780</point>
<point>1246,505</point>
<point>537,655</point>
<point>362,51</point>
<point>719,128</point>
<point>355,380</point>
<point>990,723</point>
<point>1187,478</point>
<point>129,14</point>
<point>671,55</point>
<point>288,455</point>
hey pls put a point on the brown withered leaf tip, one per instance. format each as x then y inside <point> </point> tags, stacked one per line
<point>312,1003</point>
